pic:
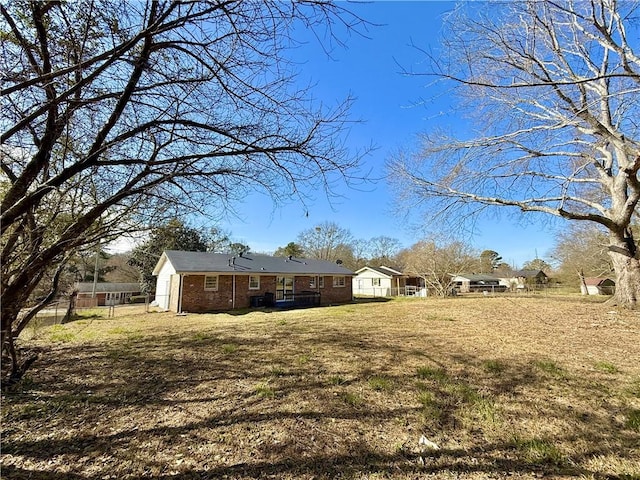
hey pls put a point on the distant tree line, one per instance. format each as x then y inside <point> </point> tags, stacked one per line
<point>577,253</point>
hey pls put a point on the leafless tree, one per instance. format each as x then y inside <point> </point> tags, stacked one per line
<point>437,264</point>
<point>326,241</point>
<point>554,91</point>
<point>120,270</point>
<point>582,251</point>
<point>537,264</point>
<point>115,112</point>
<point>360,248</point>
<point>383,250</point>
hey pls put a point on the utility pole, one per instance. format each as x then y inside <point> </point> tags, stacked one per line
<point>95,272</point>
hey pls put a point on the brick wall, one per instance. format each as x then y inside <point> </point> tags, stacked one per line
<point>331,294</point>
<point>196,299</point>
<point>328,294</point>
<point>303,284</point>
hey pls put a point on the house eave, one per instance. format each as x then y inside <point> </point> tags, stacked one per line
<point>262,272</point>
<point>389,273</point>
<point>161,261</point>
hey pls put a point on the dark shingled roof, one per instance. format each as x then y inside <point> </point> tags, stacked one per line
<point>477,277</point>
<point>207,262</point>
<point>388,271</point>
<point>528,273</point>
<point>599,281</point>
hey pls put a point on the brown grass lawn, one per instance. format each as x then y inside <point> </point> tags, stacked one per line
<point>505,387</point>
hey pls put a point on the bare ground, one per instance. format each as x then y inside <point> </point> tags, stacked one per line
<point>505,387</point>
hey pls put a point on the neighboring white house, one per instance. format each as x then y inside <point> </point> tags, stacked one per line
<point>385,282</point>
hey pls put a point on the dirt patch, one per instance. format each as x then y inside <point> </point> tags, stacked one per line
<point>495,387</point>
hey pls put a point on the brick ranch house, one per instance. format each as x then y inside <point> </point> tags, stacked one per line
<point>204,281</point>
<point>104,293</point>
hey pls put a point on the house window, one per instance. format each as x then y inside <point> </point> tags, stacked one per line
<point>375,282</point>
<point>321,282</point>
<point>254,282</point>
<point>338,281</point>
<point>313,283</point>
<point>211,282</point>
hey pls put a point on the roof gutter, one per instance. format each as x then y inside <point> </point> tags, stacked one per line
<point>233,292</point>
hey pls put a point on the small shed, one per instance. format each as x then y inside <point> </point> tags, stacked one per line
<point>599,286</point>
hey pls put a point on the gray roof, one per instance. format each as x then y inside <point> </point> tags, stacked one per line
<point>599,281</point>
<point>103,287</point>
<point>207,262</point>
<point>528,273</point>
<point>520,273</point>
<point>389,272</point>
<point>477,277</point>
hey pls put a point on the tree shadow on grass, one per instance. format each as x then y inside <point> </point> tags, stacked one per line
<point>296,403</point>
<point>361,461</point>
<point>275,309</point>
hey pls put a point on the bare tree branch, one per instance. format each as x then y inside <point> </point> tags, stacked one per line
<point>553,90</point>
<point>116,112</point>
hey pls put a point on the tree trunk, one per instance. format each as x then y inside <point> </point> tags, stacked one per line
<point>72,306</point>
<point>627,280</point>
<point>14,297</point>
<point>10,363</point>
<point>584,290</point>
<point>627,267</point>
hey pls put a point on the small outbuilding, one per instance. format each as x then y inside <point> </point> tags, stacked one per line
<point>205,281</point>
<point>598,286</point>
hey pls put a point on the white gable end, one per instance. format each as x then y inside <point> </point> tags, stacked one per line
<point>164,270</point>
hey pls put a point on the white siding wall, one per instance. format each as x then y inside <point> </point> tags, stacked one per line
<point>163,285</point>
<point>363,284</point>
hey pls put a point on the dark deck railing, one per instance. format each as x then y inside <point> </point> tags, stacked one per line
<point>289,300</point>
<point>302,299</point>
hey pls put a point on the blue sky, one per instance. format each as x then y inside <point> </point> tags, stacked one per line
<point>394,108</point>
